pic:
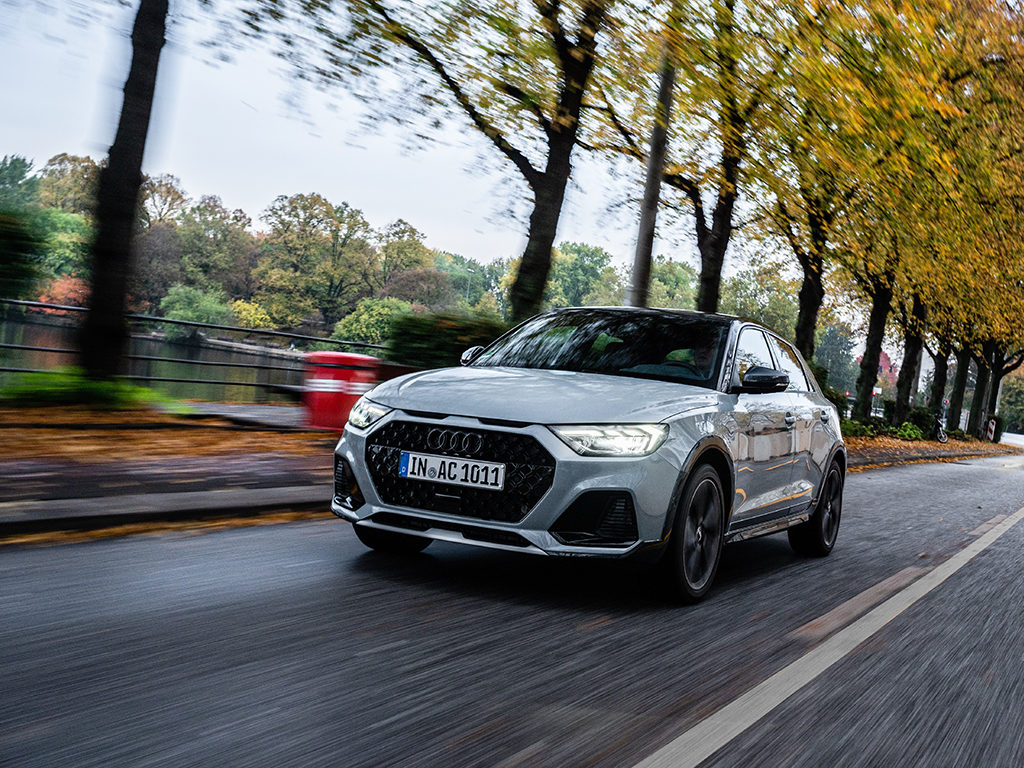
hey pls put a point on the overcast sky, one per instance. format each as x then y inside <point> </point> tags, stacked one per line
<point>228,130</point>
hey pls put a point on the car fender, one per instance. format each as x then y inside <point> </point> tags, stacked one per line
<point>698,454</point>
<point>837,449</point>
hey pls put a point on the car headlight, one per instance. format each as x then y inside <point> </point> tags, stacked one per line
<point>366,412</point>
<point>613,440</point>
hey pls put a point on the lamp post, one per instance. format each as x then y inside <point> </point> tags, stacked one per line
<point>469,277</point>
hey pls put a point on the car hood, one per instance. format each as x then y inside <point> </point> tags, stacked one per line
<point>540,396</point>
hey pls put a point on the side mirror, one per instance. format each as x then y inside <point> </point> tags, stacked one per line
<point>470,355</point>
<point>761,380</point>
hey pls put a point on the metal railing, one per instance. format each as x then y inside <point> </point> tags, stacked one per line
<point>287,389</point>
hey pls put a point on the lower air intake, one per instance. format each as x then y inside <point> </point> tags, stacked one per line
<point>598,519</point>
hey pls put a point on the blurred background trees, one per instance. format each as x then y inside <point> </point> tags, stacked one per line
<point>848,174</point>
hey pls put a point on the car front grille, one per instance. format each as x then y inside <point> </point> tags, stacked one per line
<point>529,470</point>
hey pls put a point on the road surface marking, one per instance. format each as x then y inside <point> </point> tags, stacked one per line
<point>987,526</point>
<point>856,606</point>
<point>714,732</point>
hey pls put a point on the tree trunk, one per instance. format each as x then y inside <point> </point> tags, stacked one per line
<point>714,243</point>
<point>913,339</point>
<point>915,384</point>
<point>956,397</point>
<point>938,393</point>
<point>812,293</point>
<point>641,278</point>
<point>527,291</point>
<point>881,303</point>
<point>104,335</point>
<point>998,372</point>
<point>710,287</point>
<point>976,420</point>
<point>994,387</point>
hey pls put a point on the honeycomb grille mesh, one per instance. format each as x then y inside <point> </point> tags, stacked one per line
<point>529,471</point>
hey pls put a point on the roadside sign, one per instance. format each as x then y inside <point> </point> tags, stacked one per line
<point>991,430</point>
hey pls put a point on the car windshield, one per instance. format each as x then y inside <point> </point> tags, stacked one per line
<point>650,345</point>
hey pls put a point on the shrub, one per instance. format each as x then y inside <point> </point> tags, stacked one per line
<point>437,341</point>
<point>70,386</point>
<point>372,321</point>
<point>20,252</point>
<point>908,431</point>
<point>889,411</point>
<point>879,426</point>
<point>922,418</point>
<point>183,302</point>
<point>834,396</point>
<point>851,428</point>
<point>249,314</point>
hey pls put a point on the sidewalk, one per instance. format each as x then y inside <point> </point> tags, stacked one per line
<point>65,470</point>
<point>274,416</point>
<point>154,467</point>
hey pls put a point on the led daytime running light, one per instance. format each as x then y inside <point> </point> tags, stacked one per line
<point>613,440</point>
<point>366,412</point>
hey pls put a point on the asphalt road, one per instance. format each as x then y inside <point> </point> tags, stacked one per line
<point>293,646</point>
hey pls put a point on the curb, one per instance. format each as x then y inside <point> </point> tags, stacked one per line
<point>20,517</point>
<point>862,462</point>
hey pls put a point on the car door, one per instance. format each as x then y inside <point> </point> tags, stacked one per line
<point>805,415</point>
<point>762,441</point>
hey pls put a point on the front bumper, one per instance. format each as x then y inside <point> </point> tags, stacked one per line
<point>649,482</point>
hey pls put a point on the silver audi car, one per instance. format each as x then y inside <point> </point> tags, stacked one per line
<point>601,432</point>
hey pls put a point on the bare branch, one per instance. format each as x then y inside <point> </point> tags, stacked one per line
<point>785,222</point>
<point>548,10</point>
<point>530,103</point>
<point>404,35</point>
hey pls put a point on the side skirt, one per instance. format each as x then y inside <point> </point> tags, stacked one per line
<point>777,523</point>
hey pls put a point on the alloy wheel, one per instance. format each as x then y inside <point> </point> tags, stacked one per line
<point>702,534</point>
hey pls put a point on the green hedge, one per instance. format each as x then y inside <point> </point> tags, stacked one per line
<point>851,428</point>
<point>908,431</point>
<point>70,386</point>
<point>922,418</point>
<point>438,341</point>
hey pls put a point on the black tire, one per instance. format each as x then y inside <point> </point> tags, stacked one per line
<point>389,541</point>
<point>817,536</point>
<point>695,545</point>
<point>942,436</point>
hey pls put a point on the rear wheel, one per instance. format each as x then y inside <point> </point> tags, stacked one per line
<point>817,536</point>
<point>389,541</point>
<point>695,546</point>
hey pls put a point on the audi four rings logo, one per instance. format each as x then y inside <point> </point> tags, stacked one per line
<point>453,441</point>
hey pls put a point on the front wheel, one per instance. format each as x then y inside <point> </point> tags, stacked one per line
<point>695,546</point>
<point>389,541</point>
<point>817,536</point>
<point>941,435</point>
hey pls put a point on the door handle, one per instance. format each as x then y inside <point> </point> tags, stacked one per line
<point>790,419</point>
<point>824,416</point>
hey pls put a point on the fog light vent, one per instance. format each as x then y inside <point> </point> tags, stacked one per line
<point>598,519</point>
<point>346,489</point>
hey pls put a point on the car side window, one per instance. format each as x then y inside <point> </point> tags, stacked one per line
<point>752,350</point>
<point>789,363</point>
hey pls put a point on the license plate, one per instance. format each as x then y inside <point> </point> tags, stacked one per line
<point>454,471</point>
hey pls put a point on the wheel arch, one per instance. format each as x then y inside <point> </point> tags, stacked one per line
<point>713,451</point>
<point>838,455</point>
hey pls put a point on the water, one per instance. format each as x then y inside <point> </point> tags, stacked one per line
<point>284,366</point>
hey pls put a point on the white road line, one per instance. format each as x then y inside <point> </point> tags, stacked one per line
<point>714,732</point>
